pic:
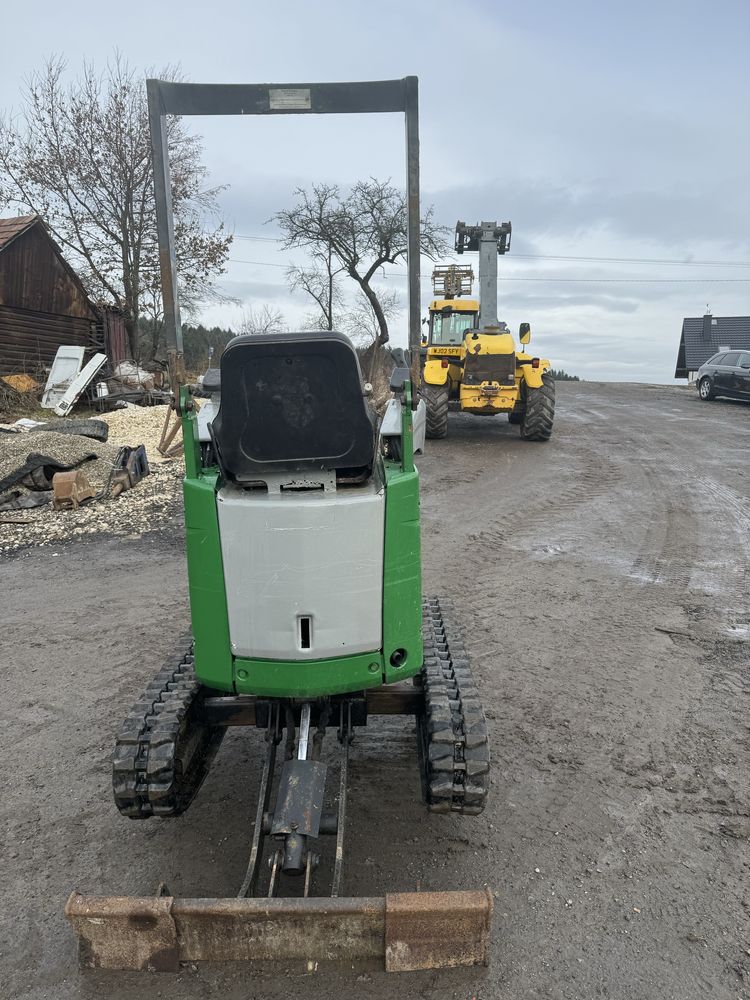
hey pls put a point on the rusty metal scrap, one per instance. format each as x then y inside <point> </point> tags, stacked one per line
<point>437,930</point>
<point>406,931</point>
<point>71,489</point>
<point>131,465</point>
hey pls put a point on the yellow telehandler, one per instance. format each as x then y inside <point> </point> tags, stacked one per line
<point>470,358</point>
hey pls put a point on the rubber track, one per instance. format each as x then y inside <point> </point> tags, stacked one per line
<point>163,752</point>
<point>539,414</point>
<point>454,743</point>
<point>436,401</point>
<point>96,429</point>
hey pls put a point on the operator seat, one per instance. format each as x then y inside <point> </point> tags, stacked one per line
<point>293,402</point>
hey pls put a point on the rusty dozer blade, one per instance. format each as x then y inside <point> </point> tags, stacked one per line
<point>407,931</point>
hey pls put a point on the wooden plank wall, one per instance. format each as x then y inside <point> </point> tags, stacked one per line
<point>33,276</point>
<point>42,306</point>
<point>29,340</point>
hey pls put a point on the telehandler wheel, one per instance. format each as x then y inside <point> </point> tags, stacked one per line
<point>515,416</point>
<point>436,400</point>
<point>539,414</point>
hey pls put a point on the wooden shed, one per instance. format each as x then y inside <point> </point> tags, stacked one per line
<point>43,303</point>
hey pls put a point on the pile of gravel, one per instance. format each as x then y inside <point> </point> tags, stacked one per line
<point>139,425</point>
<point>154,504</point>
<point>65,448</point>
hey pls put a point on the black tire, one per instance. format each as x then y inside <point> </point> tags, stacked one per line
<point>706,389</point>
<point>539,413</point>
<point>96,429</point>
<point>436,401</point>
<point>515,416</point>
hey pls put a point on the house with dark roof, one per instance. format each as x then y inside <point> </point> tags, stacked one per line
<point>44,304</point>
<point>704,336</point>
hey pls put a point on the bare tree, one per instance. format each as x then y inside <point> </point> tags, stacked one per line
<point>360,321</point>
<point>79,155</point>
<point>313,321</point>
<point>319,281</point>
<point>363,329</point>
<point>362,231</point>
<point>261,321</point>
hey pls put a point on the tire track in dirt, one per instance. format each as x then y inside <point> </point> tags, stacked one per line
<point>587,487</point>
<point>664,557</point>
<point>589,476</point>
<point>699,532</point>
<point>672,548</point>
<point>729,501</point>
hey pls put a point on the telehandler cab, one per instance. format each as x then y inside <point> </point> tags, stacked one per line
<point>303,550</point>
<point>470,359</point>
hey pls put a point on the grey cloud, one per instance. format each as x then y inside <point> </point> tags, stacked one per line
<point>663,216</point>
<point>573,300</point>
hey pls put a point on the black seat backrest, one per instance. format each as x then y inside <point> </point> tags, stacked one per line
<point>292,402</point>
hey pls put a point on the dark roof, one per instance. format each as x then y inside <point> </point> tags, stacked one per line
<point>10,228</point>
<point>702,336</point>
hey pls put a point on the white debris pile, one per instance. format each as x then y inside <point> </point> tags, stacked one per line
<point>136,425</point>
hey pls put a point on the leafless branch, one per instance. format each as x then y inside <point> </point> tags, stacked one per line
<point>361,232</point>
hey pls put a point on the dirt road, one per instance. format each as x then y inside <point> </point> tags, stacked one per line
<point>603,584</point>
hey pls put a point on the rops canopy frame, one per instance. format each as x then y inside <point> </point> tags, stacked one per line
<point>373,97</point>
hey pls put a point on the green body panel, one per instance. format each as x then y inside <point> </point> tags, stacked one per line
<point>402,559</point>
<point>308,678</point>
<point>191,444</point>
<point>402,578</point>
<point>402,590</point>
<point>208,601</point>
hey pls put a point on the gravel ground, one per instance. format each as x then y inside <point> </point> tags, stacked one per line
<point>139,425</point>
<point>602,580</point>
<point>152,505</point>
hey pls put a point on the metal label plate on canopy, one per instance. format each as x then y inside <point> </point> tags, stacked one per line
<point>289,99</point>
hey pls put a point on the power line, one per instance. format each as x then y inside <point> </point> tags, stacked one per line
<point>635,260</point>
<point>640,281</point>
<point>601,260</point>
<point>260,263</point>
<point>606,281</point>
<point>258,239</point>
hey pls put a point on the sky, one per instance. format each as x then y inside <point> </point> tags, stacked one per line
<point>601,130</point>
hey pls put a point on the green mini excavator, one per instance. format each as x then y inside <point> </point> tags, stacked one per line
<point>308,621</point>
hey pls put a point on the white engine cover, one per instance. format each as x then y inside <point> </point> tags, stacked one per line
<point>303,554</point>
